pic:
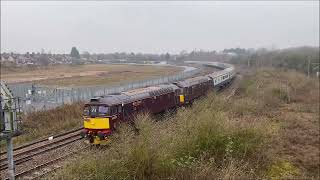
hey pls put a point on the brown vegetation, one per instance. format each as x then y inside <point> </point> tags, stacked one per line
<point>290,102</point>
<point>50,122</point>
<point>269,131</point>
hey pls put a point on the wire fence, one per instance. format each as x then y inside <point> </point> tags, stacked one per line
<point>35,98</point>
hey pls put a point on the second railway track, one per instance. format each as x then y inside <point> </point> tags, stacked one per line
<point>30,155</point>
<point>47,167</point>
<point>44,140</point>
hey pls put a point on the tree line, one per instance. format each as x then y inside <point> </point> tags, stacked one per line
<point>303,59</point>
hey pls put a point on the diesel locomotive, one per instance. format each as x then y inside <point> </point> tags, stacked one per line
<point>103,114</point>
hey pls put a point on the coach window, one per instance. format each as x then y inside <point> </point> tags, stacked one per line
<point>177,92</point>
<point>119,109</point>
<point>113,110</point>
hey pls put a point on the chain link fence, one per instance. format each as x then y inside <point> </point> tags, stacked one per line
<point>35,98</point>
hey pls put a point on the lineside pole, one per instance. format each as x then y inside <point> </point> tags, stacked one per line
<point>11,168</point>
<point>308,66</point>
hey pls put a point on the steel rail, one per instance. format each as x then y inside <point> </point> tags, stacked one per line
<point>24,173</point>
<point>42,140</point>
<point>29,157</point>
<point>39,147</point>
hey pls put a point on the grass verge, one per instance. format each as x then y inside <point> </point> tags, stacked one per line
<point>49,122</point>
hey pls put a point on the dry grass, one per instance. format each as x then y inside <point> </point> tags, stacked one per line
<point>169,153</point>
<point>86,75</point>
<point>290,101</point>
<point>270,131</point>
<point>49,122</point>
<point>195,143</point>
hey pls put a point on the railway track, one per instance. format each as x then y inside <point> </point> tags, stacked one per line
<point>30,155</point>
<point>230,90</point>
<point>47,167</point>
<point>24,146</point>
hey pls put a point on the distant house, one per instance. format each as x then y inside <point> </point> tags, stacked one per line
<point>11,59</point>
<point>3,59</point>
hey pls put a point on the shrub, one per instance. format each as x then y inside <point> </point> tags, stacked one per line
<point>282,170</point>
<point>171,148</point>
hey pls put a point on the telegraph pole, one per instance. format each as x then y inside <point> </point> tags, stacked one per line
<point>7,135</point>
<point>316,66</point>
<point>308,66</point>
<point>8,123</point>
<point>11,167</point>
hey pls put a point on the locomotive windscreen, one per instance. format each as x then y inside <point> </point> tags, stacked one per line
<point>96,110</point>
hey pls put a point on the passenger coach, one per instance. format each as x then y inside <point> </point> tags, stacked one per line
<point>103,114</point>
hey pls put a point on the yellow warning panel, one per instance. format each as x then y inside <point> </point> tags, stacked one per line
<point>97,123</point>
<point>181,98</point>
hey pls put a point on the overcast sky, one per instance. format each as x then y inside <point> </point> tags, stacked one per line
<point>156,27</point>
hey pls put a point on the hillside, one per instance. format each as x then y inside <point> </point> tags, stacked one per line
<point>268,129</point>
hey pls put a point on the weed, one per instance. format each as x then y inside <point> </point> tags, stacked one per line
<point>216,139</point>
<point>49,122</point>
<point>282,170</point>
<point>169,148</point>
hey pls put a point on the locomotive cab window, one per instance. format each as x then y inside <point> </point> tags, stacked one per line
<point>86,111</point>
<point>103,110</point>
<point>93,110</point>
<point>96,111</point>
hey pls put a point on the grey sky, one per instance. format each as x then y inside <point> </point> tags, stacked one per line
<point>156,27</point>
